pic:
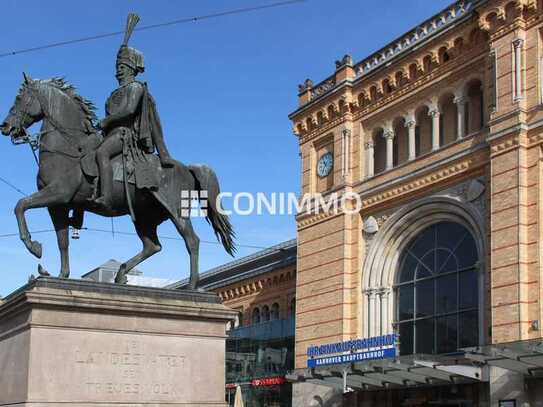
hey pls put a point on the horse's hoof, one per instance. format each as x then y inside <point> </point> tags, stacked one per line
<point>36,249</point>
<point>121,278</point>
<point>42,271</point>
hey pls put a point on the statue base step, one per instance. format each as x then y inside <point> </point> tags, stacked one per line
<point>82,343</point>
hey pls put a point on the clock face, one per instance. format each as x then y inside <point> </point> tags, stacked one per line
<point>325,164</point>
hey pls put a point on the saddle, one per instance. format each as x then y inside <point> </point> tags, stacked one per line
<point>137,172</point>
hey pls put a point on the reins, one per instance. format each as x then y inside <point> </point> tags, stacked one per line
<point>35,140</point>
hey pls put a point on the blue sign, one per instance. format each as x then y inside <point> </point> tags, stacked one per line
<point>378,347</point>
<point>352,357</point>
<point>352,345</point>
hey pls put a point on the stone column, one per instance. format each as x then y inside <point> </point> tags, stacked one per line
<point>380,322</point>
<point>388,134</point>
<point>412,146</point>
<point>460,102</point>
<point>517,46</point>
<point>384,294</point>
<point>371,312</point>
<point>435,114</point>
<point>370,167</point>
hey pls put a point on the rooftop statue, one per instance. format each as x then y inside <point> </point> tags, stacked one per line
<point>110,167</point>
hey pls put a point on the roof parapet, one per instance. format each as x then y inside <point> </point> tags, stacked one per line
<point>345,70</point>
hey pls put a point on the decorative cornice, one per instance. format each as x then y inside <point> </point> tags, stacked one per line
<point>429,179</point>
<point>505,144</point>
<point>305,220</point>
<point>248,288</point>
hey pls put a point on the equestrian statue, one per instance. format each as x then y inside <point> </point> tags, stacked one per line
<point>110,167</point>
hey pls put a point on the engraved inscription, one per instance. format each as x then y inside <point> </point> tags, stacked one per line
<point>127,371</point>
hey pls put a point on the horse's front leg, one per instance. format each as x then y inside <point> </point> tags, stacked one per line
<point>51,195</point>
<point>61,221</point>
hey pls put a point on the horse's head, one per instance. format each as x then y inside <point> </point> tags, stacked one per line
<point>25,111</point>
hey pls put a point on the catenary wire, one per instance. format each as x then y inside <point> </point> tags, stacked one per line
<point>9,184</point>
<point>117,232</point>
<point>152,26</point>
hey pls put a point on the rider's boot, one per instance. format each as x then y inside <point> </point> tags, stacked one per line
<point>106,184</point>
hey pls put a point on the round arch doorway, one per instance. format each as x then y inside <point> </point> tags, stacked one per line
<point>437,291</point>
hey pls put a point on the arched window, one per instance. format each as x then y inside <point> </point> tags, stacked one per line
<point>443,55</point>
<point>265,313</point>
<point>256,316</point>
<point>379,151</point>
<point>293,308</point>
<point>413,72</point>
<point>400,141</point>
<point>448,120</point>
<point>474,107</point>
<point>274,311</point>
<point>427,64</point>
<point>437,291</point>
<point>423,130</point>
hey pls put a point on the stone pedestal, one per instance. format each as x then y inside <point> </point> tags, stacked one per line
<point>81,343</point>
<point>316,395</point>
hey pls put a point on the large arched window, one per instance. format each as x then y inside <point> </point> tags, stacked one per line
<point>437,291</point>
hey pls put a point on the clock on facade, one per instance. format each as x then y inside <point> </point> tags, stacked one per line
<point>325,165</point>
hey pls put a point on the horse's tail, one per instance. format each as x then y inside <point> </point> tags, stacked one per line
<point>206,181</point>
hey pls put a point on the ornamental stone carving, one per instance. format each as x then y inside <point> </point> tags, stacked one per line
<point>475,189</point>
<point>370,225</point>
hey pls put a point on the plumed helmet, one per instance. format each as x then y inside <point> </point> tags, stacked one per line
<point>128,55</point>
<point>131,57</point>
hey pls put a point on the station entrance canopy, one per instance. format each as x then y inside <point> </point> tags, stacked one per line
<point>469,365</point>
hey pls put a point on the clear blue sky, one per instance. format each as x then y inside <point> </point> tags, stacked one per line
<point>224,88</point>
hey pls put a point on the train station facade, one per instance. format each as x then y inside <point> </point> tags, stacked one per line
<point>439,134</point>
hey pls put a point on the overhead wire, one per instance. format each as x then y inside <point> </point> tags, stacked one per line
<point>117,232</point>
<point>151,26</point>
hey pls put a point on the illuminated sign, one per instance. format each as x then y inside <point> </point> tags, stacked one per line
<point>355,350</point>
<point>265,381</point>
<point>268,381</point>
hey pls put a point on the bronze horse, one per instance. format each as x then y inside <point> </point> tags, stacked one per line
<point>67,135</point>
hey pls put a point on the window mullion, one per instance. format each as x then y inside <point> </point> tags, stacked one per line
<point>457,309</point>
<point>414,316</point>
